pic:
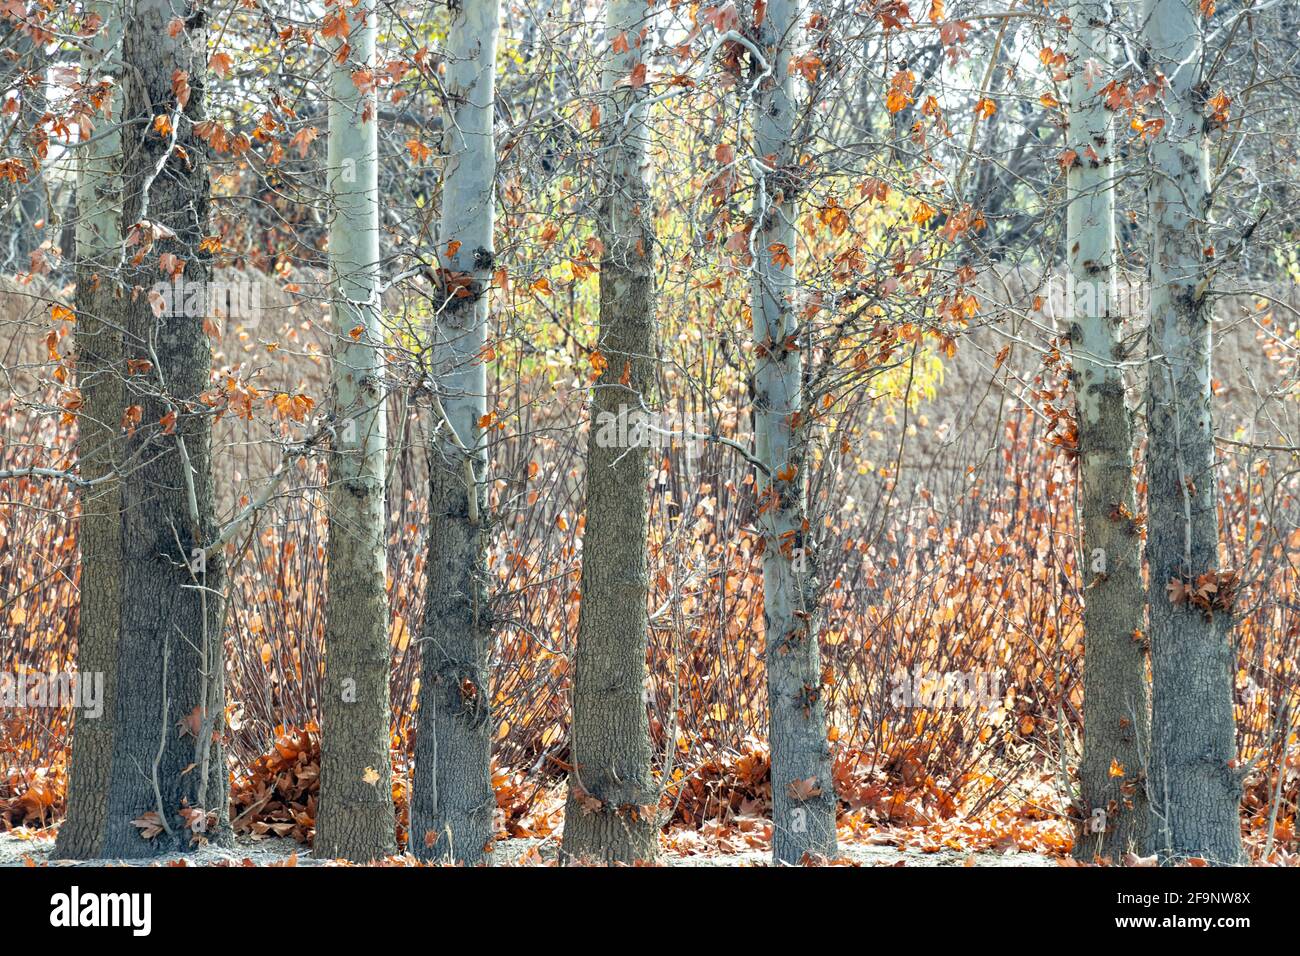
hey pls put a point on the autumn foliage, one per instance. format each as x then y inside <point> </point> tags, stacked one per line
<point>991,585</point>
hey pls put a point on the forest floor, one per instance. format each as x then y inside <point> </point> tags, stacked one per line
<point>34,848</point>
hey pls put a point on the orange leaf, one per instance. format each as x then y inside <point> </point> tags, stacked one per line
<point>804,789</point>
<point>131,418</point>
<point>220,64</point>
<point>419,151</point>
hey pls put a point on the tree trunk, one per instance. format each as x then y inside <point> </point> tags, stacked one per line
<point>99,370</point>
<point>611,814</point>
<point>356,820</point>
<point>1195,788</point>
<point>803,792</point>
<point>168,758</point>
<point>1116,698</point>
<point>454,806</point>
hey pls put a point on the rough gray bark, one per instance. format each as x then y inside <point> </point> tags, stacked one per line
<point>454,806</point>
<point>99,379</point>
<point>1195,785</point>
<point>355,820</point>
<point>612,810</point>
<point>803,792</point>
<point>169,716</point>
<point>1116,696</point>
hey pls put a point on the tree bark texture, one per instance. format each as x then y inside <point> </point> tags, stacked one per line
<point>1116,693</point>
<point>1195,788</point>
<point>454,808</point>
<point>803,792</point>
<point>356,820</point>
<point>169,716</point>
<point>612,809</point>
<point>98,343</point>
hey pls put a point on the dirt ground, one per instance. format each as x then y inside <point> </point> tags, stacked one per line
<point>23,848</point>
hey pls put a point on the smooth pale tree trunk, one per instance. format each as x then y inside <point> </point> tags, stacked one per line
<point>99,379</point>
<point>454,805</point>
<point>803,792</point>
<point>611,814</point>
<point>1195,786</point>
<point>356,819</point>
<point>1116,696</point>
<point>168,758</point>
